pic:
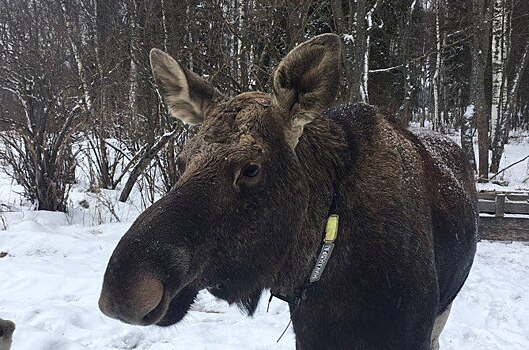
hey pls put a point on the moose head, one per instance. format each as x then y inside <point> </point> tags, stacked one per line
<point>232,224</point>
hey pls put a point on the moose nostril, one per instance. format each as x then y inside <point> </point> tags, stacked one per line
<point>147,296</point>
<point>136,303</point>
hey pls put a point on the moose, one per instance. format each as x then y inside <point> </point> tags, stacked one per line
<point>258,183</point>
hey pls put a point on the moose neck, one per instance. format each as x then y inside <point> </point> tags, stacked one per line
<point>324,154</point>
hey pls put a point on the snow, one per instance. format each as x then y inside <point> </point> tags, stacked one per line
<point>518,175</point>
<point>52,275</point>
<point>348,38</point>
<point>492,311</point>
<point>469,112</point>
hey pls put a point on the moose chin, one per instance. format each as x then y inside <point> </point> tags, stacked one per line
<point>367,230</point>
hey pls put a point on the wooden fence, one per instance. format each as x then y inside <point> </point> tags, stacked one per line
<point>504,216</point>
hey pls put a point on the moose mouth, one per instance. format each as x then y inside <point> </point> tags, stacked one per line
<point>171,309</point>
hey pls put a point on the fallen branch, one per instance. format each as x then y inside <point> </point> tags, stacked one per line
<point>507,167</point>
<point>145,160</point>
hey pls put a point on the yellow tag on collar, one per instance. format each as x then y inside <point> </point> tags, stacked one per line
<point>331,230</point>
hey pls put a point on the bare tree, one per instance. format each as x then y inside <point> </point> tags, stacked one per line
<point>44,112</point>
<point>77,72</point>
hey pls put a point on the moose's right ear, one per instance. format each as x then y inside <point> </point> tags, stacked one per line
<point>306,82</point>
<point>187,95</point>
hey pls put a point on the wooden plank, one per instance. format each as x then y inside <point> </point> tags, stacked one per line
<point>517,197</point>
<point>487,207</point>
<point>500,206</point>
<point>512,196</point>
<point>516,208</point>
<point>510,207</point>
<point>504,229</point>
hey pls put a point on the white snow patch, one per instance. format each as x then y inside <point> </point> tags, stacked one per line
<point>492,310</point>
<point>469,112</point>
<point>348,38</point>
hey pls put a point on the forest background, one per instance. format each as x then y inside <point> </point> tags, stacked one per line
<point>77,94</point>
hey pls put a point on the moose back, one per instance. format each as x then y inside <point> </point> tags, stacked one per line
<point>257,184</point>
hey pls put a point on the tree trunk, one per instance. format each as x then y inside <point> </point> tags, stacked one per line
<point>342,29</point>
<point>466,135</point>
<point>500,54</point>
<point>499,144</point>
<point>364,87</point>
<point>297,20</point>
<point>437,72</point>
<point>498,60</point>
<point>360,47</point>
<point>355,34</point>
<point>480,49</point>
<point>406,105</point>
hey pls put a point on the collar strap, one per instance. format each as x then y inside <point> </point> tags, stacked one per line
<point>326,248</point>
<point>331,232</point>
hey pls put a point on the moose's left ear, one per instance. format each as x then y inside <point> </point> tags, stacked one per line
<point>306,82</point>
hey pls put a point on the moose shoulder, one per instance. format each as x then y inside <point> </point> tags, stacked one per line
<point>249,210</point>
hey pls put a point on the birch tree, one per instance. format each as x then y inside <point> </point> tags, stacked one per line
<point>437,70</point>
<point>501,135</point>
<point>500,54</point>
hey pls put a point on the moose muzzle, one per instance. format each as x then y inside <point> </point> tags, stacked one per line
<point>140,305</point>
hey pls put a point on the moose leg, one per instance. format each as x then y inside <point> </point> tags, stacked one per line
<point>438,326</point>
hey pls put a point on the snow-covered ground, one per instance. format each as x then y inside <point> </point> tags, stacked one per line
<point>518,175</point>
<point>51,278</point>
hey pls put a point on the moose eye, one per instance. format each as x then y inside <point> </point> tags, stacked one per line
<point>250,170</point>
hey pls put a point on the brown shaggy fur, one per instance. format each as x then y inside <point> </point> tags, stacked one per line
<point>408,216</point>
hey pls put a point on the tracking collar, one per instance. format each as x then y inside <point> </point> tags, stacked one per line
<point>326,248</point>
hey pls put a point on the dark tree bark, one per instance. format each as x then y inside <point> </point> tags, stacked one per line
<point>466,135</point>
<point>481,13</point>
<point>354,37</point>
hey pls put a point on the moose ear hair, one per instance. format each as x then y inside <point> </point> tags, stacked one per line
<point>187,95</point>
<point>307,80</point>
